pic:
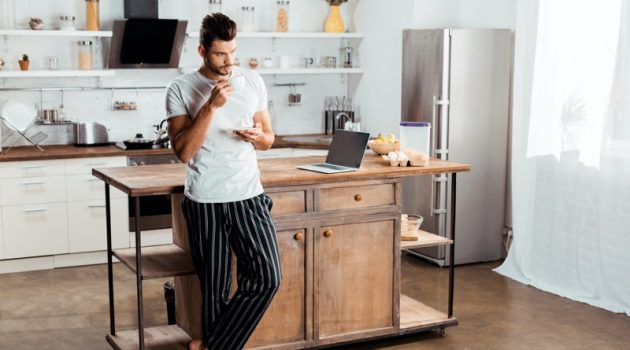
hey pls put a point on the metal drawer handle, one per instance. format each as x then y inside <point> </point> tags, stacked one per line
<point>30,167</point>
<point>96,164</point>
<point>328,233</point>
<point>39,210</point>
<point>298,236</point>
<point>358,197</point>
<point>96,206</point>
<point>94,180</point>
<point>33,183</point>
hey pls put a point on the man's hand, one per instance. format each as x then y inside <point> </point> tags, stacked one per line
<point>219,96</point>
<point>252,135</point>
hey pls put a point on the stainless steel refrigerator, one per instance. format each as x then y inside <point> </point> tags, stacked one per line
<point>459,80</point>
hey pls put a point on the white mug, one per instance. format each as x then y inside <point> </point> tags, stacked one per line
<point>237,82</point>
<point>285,61</point>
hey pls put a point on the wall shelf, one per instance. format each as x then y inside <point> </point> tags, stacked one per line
<point>268,71</point>
<point>56,73</point>
<point>290,35</point>
<point>55,33</point>
<point>271,71</point>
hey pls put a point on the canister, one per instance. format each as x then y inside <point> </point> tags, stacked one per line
<point>415,141</point>
<point>85,55</point>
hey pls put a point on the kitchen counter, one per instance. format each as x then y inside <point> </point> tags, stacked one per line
<point>337,234</point>
<point>69,151</point>
<point>25,153</point>
<point>169,178</point>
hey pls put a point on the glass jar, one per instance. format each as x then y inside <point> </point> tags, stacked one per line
<point>248,19</point>
<point>282,16</point>
<point>214,6</point>
<point>253,63</point>
<point>53,63</point>
<point>85,55</point>
<point>92,21</point>
<point>66,23</point>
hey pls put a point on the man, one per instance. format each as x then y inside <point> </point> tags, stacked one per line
<point>225,206</point>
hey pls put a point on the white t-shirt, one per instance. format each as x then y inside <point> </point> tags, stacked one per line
<point>225,168</point>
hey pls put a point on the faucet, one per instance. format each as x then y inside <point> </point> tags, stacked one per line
<point>338,116</point>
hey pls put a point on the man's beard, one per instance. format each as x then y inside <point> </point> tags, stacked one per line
<point>213,68</point>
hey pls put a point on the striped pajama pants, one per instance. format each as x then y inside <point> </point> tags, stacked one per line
<point>247,228</point>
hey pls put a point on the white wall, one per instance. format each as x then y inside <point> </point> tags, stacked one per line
<point>380,55</point>
<point>381,51</point>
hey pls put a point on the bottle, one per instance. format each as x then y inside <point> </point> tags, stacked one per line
<point>85,55</point>
<point>248,19</point>
<point>282,17</point>
<point>214,6</point>
<point>92,21</point>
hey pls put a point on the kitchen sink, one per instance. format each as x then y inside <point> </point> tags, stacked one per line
<point>309,139</point>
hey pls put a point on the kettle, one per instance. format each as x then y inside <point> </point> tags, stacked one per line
<point>161,134</point>
<point>91,134</point>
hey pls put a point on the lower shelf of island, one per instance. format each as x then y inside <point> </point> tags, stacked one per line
<point>417,317</point>
<point>155,338</point>
<point>158,261</point>
<point>425,239</point>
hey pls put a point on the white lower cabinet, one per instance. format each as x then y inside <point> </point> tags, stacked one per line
<point>55,207</point>
<point>49,189</point>
<point>35,230</point>
<point>1,237</point>
<point>87,230</point>
<point>88,187</point>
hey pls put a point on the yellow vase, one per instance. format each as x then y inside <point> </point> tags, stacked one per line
<point>334,21</point>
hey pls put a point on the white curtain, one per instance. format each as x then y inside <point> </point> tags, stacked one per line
<point>571,151</point>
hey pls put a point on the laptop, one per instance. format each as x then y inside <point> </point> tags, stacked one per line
<point>345,153</point>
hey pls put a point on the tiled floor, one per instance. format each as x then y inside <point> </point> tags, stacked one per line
<point>68,309</point>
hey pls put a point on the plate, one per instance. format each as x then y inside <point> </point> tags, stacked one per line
<point>19,115</point>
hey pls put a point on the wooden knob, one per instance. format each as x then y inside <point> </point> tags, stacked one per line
<point>298,236</point>
<point>358,197</point>
<point>328,233</point>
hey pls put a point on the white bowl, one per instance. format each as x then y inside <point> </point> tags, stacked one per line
<point>383,148</point>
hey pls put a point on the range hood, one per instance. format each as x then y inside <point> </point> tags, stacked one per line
<point>144,41</point>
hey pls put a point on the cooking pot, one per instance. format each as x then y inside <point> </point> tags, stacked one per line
<point>91,134</point>
<point>138,142</point>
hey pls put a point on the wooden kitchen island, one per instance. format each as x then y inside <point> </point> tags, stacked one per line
<point>339,247</point>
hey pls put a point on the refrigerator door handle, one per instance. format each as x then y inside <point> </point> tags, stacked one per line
<point>437,180</point>
<point>435,150</point>
<point>433,127</point>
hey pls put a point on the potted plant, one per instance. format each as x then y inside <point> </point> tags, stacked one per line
<point>334,21</point>
<point>24,62</point>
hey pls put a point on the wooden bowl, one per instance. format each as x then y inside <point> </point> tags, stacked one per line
<point>383,148</point>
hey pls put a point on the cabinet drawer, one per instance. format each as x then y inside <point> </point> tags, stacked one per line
<point>87,230</point>
<point>32,230</point>
<point>292,202</point>
<point>33,190</point>
<point>88,187</point>
<point>356,197</point>
<point>37,168</point>
<point>84,165</point>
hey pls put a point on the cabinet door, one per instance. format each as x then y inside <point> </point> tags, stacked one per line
<point>285,321</point>
<point>32,230</point>
<point>87,228</point>
<point>354,279</point>
<point>1,237</point>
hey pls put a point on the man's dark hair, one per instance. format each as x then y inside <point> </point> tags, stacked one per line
<point>216,26</point>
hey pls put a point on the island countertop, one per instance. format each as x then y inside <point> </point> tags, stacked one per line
<point>169,178</point>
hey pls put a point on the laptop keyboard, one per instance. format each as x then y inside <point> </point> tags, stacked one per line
<point>331,166</point>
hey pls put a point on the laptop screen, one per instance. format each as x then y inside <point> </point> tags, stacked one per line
<point>347,148</point>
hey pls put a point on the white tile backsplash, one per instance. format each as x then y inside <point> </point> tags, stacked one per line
<point>94,101</point>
